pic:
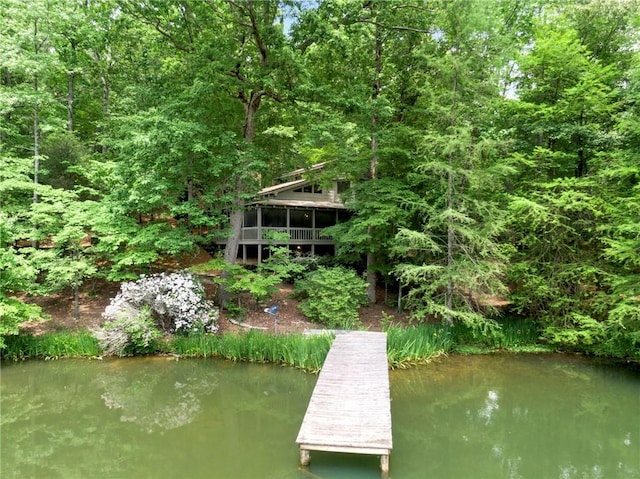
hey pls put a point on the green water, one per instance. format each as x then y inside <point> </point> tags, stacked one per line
<point>497,416</point>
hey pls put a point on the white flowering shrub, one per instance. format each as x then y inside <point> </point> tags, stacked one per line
<point>177,302</point>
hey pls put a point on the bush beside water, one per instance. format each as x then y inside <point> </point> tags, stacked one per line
<point>515,335</point>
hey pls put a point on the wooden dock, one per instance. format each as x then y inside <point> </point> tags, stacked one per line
<point>350,409</point>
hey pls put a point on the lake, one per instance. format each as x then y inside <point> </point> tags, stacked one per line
<point>487,416</point>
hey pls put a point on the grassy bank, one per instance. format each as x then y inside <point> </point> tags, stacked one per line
<point>514,335</point>
<point>51,346</point>
<point>296,350</point>
<point>406,346</point>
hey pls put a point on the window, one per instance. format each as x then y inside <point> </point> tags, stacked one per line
<point>250,218</point>
<point>325,218</point>
<point>310,188</point>
<point>343,215</point>
<point>274,218</point>
<point>301,218</point>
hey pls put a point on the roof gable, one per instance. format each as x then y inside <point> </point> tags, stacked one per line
<point>285,194</point>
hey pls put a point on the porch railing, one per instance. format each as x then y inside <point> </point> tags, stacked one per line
<point>256,233</point>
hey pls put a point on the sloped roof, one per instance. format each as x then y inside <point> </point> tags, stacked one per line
<point>302,171</point>
<point>269,194</point>
<point>301,203</point>
<point>282,187</point>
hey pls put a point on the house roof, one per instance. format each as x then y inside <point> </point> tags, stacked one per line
<point>301,171</point>
<point>282,187</point>
<point>269,195</point>
<point>300,203</point>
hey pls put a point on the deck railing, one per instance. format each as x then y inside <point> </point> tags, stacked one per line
<point>256,233</point>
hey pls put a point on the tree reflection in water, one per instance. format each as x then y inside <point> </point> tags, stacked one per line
<point>518,417</point>
<point>150,398</point>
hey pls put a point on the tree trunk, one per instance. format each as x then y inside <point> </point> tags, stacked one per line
<point>371,259</point>
<point>251,105</point>
<point>70,98</point>
<point>36,122</point>
<point>371,279</point>
<point>5,80</point>
<point>36,146</point>
<point>451,238</point>
<point>105,107</point>
<point>76,296</point>
<point>450,245</point>
<point>36,132</point>
<point>373,164</point>
<point>236,216</point>
<point>235,220</point>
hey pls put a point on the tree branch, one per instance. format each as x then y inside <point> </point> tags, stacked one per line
<point>136,12</point>
<point>392,27</point>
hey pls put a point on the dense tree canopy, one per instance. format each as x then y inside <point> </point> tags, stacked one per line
<point>492,145</point>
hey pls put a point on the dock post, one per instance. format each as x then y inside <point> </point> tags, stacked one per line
<point>384,465</point>
<point>305,457</point>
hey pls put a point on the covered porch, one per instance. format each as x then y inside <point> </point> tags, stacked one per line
<point>303,227</point>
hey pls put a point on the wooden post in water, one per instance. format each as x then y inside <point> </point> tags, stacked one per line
<point>384,465</point>
<point>305,457</point>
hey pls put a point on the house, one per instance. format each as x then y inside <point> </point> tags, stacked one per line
<point>298,206</point>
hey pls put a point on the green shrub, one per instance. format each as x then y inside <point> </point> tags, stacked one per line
<point>577,331</point>
<point>238,280</point>
<point>332,296</point>
<point>129,334</point>
<point>14,312</point>
<point>622,330</point>
<point>213,265</point>
<point>282,264</point>
<point>510,333</point>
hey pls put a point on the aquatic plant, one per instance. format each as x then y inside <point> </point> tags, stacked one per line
<point>51,346</point>
<point>512,334</point>
<point>255,346</point>
<point>417,344</point>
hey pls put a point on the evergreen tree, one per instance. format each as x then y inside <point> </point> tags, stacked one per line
<point>455,257</point>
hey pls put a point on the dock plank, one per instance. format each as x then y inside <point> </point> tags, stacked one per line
<point>349,410</point>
